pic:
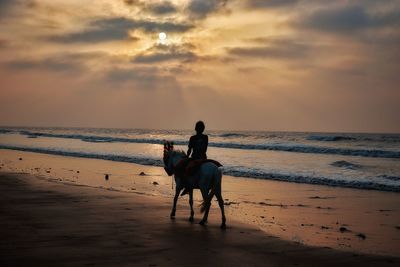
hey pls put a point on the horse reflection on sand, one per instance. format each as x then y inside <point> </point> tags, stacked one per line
<point>207,178</point>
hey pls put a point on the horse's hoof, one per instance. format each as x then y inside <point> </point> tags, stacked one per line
<point>172,217</point>
<point>223,226</point>
<point>203,223</point>
<point>191,219</point>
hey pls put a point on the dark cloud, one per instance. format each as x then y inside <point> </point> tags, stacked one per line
<point>270,3</point>
<point>202,8</point>
<point>5,8</point>
<point>161,57</point>
<point>92,36</point>
<point>159,8</point>
<point>162,53</point>
<point>271,48</point>
<point>347,19</point>
<point>133,38</point>
<point>69,62</point>
<point>133,2</point>
<point>117,29</point>
<point>6,5</point>
<point>45,64</point>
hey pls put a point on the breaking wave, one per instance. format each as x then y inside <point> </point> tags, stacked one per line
<point>392,138</point>
<point>299,148</point>
<point>329,138</point>
<point>345,164</point>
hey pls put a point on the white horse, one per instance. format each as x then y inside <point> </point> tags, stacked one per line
<point>207,178</point>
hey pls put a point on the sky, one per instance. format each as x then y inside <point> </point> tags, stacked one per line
<point>274,65</point>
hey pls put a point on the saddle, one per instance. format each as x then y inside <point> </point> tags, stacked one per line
<point>187,167</point>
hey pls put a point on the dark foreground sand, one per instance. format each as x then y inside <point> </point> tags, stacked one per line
<point>51,224</point>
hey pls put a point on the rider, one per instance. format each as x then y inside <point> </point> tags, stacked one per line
<point>197,146</point>
<point>198,143</point>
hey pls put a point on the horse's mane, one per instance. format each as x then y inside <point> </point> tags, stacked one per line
<point>180,152</point>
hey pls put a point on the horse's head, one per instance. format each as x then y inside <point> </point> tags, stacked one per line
<point>171,157</point>
<point>168,149</point>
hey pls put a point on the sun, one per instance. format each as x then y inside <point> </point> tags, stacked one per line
<point>162,38</point>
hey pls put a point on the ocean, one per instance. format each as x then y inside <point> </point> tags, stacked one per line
<point>355,160</point>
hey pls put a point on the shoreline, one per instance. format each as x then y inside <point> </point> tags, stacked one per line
<point>46,223</point>
<point>307,214</point>
<point>299,179</point>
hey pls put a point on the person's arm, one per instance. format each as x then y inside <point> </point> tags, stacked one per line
<point>190,148</point>
<point>205,145</point>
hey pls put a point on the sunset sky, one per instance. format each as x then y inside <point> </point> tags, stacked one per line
<point>238,65</point>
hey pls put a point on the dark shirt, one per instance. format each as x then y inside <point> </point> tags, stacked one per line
<point>198,143</point>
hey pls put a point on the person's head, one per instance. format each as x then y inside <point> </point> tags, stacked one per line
<point>200,127</point>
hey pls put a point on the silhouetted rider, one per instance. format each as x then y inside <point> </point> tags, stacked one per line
<point>197,148</point>
<point>198,143</point>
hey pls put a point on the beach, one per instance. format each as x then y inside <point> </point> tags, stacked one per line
<point>269,222</point>
<point>46,224</point>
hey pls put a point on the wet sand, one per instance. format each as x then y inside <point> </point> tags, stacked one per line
<point>46,224</point>
<point>359,221</point>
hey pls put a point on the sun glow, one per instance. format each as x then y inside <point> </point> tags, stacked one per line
<point>162,38</point>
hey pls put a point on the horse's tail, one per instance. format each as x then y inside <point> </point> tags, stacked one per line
<point>207,201</point>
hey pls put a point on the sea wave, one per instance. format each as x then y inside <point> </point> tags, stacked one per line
<point>4,131</point>
<point>375,153</point>
<point>392,138</point>
<point>290,147</point>
<point>329,138</point>
<point>228,170</point>
<point>232,135</point>
<point>389,177</point>
<point>346,164</point>
<point>295,178</point>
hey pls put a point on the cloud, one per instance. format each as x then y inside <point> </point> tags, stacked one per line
<point>6,5</point>
<point>146,78</point>
<point>271,48</point>
<point>163,53</point>
<point>103,30</point>
<point>159,8</point>
<point>161,57</point>
<point>133,2</point>
<point>69,62</point>
<point>347,19</point>
<point>270,3</point>
<point>202,8</point>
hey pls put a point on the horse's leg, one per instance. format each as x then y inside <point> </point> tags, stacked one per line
<point>210,196</point>
<point>177,191</point>
<point>207,197</point>
<point>221,206</point>
<point>191,205</point>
